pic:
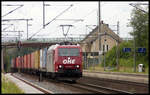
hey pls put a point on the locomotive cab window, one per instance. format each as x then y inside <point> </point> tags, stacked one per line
<point>68,52</point>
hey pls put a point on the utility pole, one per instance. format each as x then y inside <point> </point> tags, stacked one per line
<point>99,30</point>
<point>27,29</point>
<point>19,45</point>
<point>104,50</point>
<point>2,63</point>
<point>43,15</point>
<point>117,46</point>
<point>134,58</point>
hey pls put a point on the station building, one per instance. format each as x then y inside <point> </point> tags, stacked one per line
<point>108,39</point>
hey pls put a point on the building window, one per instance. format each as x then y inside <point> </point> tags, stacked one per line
<point>107,47</point>
<point>103,47</point>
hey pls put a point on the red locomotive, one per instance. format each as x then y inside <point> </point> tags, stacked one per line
<point>58,61</point>
<point>65,60</point>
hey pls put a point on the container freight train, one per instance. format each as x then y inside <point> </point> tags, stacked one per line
<point>57,61</point>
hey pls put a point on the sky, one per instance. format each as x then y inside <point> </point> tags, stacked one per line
<point>111,13</point>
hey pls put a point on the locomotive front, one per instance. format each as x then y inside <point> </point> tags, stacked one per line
<point>68,61</point>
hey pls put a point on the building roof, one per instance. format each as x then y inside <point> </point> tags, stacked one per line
<point>93,35</point>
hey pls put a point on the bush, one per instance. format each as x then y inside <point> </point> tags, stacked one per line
<point>125,58</point>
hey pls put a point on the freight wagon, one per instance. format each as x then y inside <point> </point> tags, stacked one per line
<point>57,61</point>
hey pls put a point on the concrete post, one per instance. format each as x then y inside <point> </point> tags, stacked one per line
<point>2,64</point>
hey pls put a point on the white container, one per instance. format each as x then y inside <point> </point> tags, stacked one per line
<point>44,58</point>
<point>41,58</point>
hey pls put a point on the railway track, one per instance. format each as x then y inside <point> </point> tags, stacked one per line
<point>98,89</point>
<point>86,87</point>
<point>117,84</point>
<point>91,88</point>
<point>33,85</point>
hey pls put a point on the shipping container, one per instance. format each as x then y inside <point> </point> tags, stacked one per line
<point>34,55</point>
<point>21,62</point>
<point>17,62</point>
<point>28,65</point>
<point>37,59</point>
<point>38,52</point>
<point>24,64</point>
<point>12,65</point>
<point>26,61</point>
<point>14,62</point>
<point>41,58</point>
<point>44,58</point>
<point>50,59</point>
<point>32,60</point>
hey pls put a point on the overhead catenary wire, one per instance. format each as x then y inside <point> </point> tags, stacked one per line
<point>7,27</point>
<point>59,14</point>
<point>135,5</point>
<point>51,20</point>
<point>89,13</point>
<point>13,9</point>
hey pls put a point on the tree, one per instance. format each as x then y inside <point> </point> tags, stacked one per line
<point>139,22</point>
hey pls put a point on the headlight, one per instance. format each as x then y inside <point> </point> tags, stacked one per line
<point>60,66</point>
<point>77,66</point>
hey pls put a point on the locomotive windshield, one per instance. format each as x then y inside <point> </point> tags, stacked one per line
<point>68,52</point>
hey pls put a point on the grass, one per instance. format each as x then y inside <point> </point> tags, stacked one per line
<point>9,87</point>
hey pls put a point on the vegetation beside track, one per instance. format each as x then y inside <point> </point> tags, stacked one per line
<point>126,62</point>
<point>9,87</point>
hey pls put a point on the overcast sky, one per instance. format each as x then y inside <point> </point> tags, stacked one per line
<point>111,12</point>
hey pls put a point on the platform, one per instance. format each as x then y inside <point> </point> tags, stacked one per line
<point>140,78</point>
<point>25,87</point>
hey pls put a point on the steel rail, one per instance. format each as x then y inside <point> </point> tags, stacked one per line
<point>106,89</point>
<point>98,89</point>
